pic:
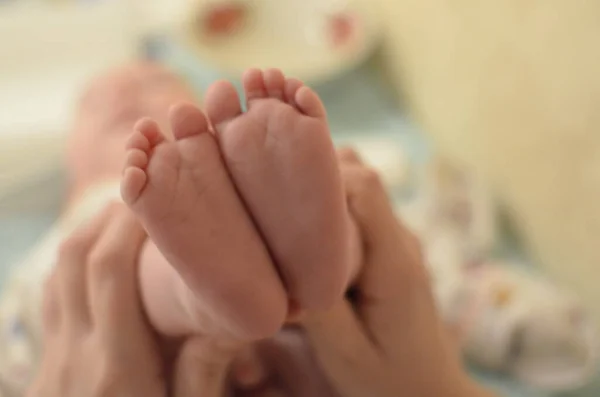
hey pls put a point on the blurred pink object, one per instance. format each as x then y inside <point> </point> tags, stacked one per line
<point>223,19</point>
<point>342,29</point>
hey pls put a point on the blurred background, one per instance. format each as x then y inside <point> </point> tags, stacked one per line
<point>488,107</point>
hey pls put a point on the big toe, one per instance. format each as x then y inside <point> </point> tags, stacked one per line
<point>222,104</point>
<point>187,120</point>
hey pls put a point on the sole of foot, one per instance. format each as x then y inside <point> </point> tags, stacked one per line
<point>281,157</point>
<point>182,193</point>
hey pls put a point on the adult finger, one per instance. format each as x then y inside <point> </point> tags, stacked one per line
<point>112,281</point>
<point>340,341</point>
<point>358,176</point>
<point>71,269</point>
<point>393,277</point>
<point>371,206</point>
<point>202,367</point>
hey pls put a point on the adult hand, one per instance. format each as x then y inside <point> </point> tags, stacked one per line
<point>387,339</point>
<point>96,342</point>
<point>96,339</point>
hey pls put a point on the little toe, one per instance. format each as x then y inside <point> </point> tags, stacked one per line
<point>187,120</point>
<point>222,104</point>
<point>132,184</point>
<point>149,130</point>
<point>275,83</point>
<point>134,174</point>
<point>254,85</point>
<point>291,88</point>
<point>309,103</point>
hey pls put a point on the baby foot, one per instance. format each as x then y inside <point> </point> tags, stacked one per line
<point>182,194</point>
<point>282,160</point>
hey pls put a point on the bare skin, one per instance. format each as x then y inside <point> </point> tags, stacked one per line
<point>96,339</point>
<point>386,340</point>
<point>283,170</point>
<point>183,196</point>
<point>282,160</point>
<point>368,319</point>
<point>173,282</point>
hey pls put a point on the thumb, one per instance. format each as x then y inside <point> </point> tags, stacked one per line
<point>202,367</point>
<point>393,295</point>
